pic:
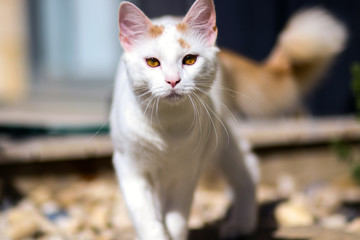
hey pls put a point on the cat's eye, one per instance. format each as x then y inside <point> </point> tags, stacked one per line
<point>189,59</point>
<point>152,62</point>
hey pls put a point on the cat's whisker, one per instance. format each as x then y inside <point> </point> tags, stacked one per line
<point>223,105</point>
<point>143,94</point>
<point>194,118</point>
<point>197,118</point>
<point>99,130</point>
<point>194,123</point>
<point>196,100</point>
<point>221,87</point>
<point>143,151</point>
<point>218,118</point>
<point>157,111</point>
<point>153,108</point>
<point>150,99</point>
<point>145,100</point>
<point>207,108</point>
<point>228,91</point>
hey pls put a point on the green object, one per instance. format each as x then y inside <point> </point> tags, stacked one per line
<point>356,173</point>
<point>21,131</point>
<point>355,72</point>
<point>342,151</point>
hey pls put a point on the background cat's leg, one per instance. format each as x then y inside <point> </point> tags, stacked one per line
<point>179,199</point>
<point>142,201</point>
<point>243,215</point>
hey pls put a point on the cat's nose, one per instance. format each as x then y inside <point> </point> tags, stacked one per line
<point>173,83</point>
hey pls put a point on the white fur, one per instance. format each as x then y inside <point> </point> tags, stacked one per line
<point>313,34</point>
<point>161,141</point>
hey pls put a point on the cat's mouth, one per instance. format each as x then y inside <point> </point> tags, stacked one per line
<point>174,96</point>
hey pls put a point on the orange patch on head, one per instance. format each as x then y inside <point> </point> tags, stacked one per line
<point>183,43</point>
<point>156,31</point>
<point>214,28</point>
<point>182,27</point>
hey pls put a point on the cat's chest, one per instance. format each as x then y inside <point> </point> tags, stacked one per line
<point>193,134</point>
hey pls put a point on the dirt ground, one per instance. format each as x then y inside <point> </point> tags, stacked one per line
<point>80,200</point>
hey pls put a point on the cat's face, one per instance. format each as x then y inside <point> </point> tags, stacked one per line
<point>170,58</point>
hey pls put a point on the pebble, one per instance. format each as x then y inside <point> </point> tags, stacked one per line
<point>19,222</point>
<point>324,200</point>
<point>94,209</point>
<point>335,221</point>
<point>52,211</point>
<point>294,213</point>
<point>40,195</point>
<point>354,226</point>
<point>69,225</point>
<point>286,185</point>
<point>100,216</point>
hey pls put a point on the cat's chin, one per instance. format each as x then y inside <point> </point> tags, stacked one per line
<point>174,97</point>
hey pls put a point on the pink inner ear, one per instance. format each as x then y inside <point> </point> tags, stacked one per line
<point>133,25</point>
<point>202,19</point>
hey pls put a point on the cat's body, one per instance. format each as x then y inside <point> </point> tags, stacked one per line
<point>169,118</point>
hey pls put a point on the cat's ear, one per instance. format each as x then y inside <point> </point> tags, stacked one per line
<point>202,19</point>
<point>133,25</point>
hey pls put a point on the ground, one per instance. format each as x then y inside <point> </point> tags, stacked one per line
<point>80,200</point>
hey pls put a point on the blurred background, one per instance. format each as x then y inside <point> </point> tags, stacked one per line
<point>58,60</point>
<point>65,51</point>
<point>57,55</point>
<point>251,28</point>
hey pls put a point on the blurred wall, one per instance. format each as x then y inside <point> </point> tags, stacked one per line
<point>13,51</point>
<point>73,40</point>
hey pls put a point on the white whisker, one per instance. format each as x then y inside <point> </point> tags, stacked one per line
<point>223,105</point>
<point>228,90</point>
<point>99,130</point>
<point>215,114</point>
<point>193,123</point>
<point>206,107</point>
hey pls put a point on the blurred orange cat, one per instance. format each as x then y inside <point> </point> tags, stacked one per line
<point>304,51</point>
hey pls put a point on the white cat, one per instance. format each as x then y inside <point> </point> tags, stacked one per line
<point>169,119</point>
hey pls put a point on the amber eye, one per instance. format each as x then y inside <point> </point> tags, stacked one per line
<point>189,59</point>
<point>152,62</point>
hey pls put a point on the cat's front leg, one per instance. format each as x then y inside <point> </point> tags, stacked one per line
<point>179,199</point>
<point>243,215</point>
<point>143,202</point>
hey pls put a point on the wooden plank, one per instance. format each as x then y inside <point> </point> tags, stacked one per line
<point>55,148</point>
<point>284,132</point>
<point>314,233</point>
<point>288,132</point>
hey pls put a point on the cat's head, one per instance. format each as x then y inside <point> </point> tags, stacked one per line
<point>170,58</point>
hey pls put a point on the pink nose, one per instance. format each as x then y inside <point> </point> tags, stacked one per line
<point>173,83</point>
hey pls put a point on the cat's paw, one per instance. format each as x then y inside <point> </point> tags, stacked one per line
<point>233,229</point>
<point>240,221</point>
